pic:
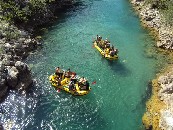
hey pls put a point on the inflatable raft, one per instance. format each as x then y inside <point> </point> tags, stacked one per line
<point>65,85</point>
<point>104,54</point>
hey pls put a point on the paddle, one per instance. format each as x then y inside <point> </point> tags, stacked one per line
<point>58,90</point>
<point>94,82</point>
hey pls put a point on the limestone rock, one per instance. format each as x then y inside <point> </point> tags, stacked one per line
<point>31,44</point>
<point>152,19</point>
<point>23,33</point>
<point>166,122</point>
<point>21,40</point>
<point>167,89</point>
<point>12,79</point>
<point>163,80</point>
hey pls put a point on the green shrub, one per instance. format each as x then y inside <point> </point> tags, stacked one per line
<point>22,10</point>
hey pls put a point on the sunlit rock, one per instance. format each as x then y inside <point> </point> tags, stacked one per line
<point>166,122</point>
<point>12,78</point>
<point>24,76</point>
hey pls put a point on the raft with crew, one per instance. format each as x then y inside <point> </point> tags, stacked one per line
<point>105,48</point>
<point>69,82</point>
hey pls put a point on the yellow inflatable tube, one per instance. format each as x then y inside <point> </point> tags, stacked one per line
<point>64,86</point>
<point>105,54</point>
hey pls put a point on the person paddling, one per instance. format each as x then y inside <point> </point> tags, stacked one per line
<point>81,82</point>
<point>58,72</point>
<point>68,73</point>
<point>73,78</point>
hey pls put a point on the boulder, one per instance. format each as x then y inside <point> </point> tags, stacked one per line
<point>166,120</point>
<point>24,75</point>
<point>18,52</point>
<point>163,80</point>
<point>167,89</point>
<point>21,67</point>
<point>3,87</point>
<point>21,40</point>
<point>8,45</point>
<point>31,44</point>
<point>17,45</point>
<point>23,33</point>
<point>6,60</point>
<point>12,78</point>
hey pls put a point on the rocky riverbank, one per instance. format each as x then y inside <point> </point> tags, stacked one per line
<point>15,46</point>
<point>17,41</point>
<point>159,112</point>
<point>153,19</point>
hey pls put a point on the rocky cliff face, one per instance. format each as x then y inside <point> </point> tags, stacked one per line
<point>166,95</point>
<point>13,72</point>
<point>159,114</point>
<point>152,19</point>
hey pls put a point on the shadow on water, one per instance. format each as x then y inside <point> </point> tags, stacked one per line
<point>144,98</point>
<point>147,93</point>
<point>119,67</point>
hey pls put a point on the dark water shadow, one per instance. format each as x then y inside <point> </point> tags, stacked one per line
<point>119,68</point>
<point>147,94</point>
<point>144,97</point>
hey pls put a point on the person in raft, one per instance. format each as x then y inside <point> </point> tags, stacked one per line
<point>68,73</point>
<point>59,82</point>
<point>86,85</point>
<point>98,38</point>
<point>107,45</point>
<point>73,78</point>
<point>113,52</point>
<point>106,41</point>
<point>82,82</point>
<point>58,72</point>
<point>72,86</point>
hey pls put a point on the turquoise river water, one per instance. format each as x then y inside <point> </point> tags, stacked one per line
<point>117,100</point>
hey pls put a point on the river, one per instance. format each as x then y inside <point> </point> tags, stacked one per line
<point>116,101</point>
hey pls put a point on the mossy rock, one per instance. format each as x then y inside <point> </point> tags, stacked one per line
<point>146,119</point>
<point>38,37</point>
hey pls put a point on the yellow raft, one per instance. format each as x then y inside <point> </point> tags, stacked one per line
<point>65,86</point>
<point>104,54</point>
